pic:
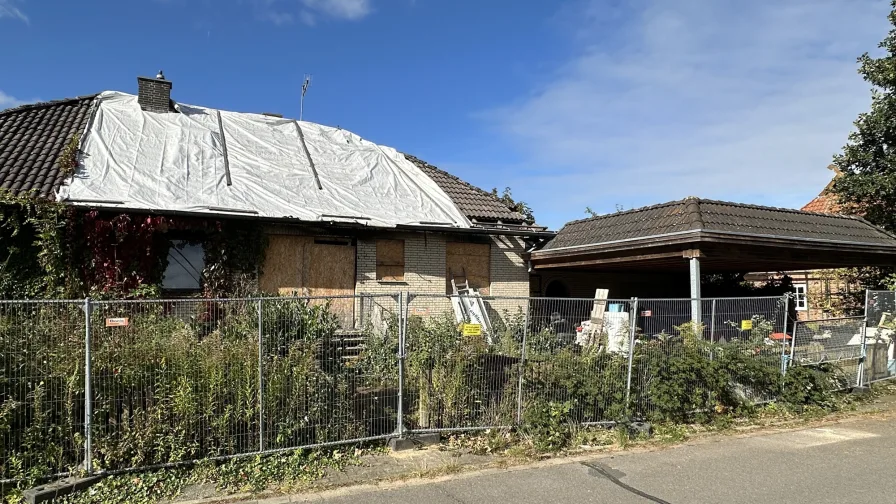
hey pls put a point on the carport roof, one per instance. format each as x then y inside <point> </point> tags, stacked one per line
<point>696,226</point>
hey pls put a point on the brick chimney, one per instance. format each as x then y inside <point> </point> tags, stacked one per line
<point>154,95</point>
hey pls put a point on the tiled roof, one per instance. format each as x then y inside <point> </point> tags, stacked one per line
<point>472,201</point>
<point>693,214</point>
<point>32,138</point>
<point>823,203</point>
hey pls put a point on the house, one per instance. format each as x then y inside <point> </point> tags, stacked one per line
<point>179,196</point>
<point>821,293</point>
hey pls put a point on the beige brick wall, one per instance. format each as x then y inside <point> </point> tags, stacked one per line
<point>425,272</point>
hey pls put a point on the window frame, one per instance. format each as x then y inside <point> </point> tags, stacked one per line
<point>173,243</point>
<point>801,299</point>
<point>383,264</point>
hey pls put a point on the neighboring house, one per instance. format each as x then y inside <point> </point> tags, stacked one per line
<point>819,294</point>
<point>342,215</point>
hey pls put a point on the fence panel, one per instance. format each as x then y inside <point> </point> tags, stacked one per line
<point>458,379</point>
<point>574,362</point>
<point>41,387</point>
<point>325,383</point>
<point>831,343</point>
<point>173,381</point>
<point>689,352</point>
<point>880,337</point>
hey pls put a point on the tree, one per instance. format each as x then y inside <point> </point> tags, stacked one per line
<point>868,161</point>
<point>867,186</point>
<point>516,206</point>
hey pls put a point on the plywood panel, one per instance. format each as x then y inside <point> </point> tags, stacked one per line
<point>472,259</point>
<point>390,260</point>
<point>283,265</point>
<point>331,272</point>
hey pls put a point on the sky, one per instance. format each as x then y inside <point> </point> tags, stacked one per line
<point>604,104</point>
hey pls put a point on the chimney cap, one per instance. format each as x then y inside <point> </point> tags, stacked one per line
<point>160,75</point>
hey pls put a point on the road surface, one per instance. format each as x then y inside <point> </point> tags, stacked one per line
<point>843,463</point>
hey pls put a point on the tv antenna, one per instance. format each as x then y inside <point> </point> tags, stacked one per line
<point>305,85</point>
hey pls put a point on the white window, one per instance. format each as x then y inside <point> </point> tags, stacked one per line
<point>802,301</point>
<point>185,265</point>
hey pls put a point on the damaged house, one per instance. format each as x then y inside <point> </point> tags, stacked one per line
<point>153,194</point>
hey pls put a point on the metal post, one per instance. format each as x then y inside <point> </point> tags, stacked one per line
<point>792,336</point>
<point>402,321</point>
<point>519,390</point>
<point>696,316</point>
<point>631,351</point>
<point>860,379</point>
<point>88,393</point>
<point>260,380</point>
<point>712,328</point>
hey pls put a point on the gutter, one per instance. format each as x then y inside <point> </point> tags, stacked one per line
<point>237,214</point>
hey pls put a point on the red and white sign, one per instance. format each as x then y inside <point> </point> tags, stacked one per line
<point>117,322</point>
<point>647,313</point>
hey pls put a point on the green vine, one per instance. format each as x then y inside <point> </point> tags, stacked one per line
<point>68,160</point>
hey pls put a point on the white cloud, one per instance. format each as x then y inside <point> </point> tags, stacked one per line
<point>9,10</point>
<point>281,11</point>
<point>340,9</point>
<point>722,99</point>
<point>7,101</point>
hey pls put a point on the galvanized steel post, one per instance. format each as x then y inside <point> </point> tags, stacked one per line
<point>786,364</point>
<point>712,328</point>
<point>260,380</point>
<point>860,378</point>
<point>633,322</point>
<point>402,328</point>
<point>519,388</point>
<point>88,393</point>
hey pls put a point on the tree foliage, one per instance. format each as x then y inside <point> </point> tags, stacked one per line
<point>868,161</point>
<point>517,206</point>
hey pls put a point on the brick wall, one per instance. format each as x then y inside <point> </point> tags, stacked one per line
<point>425,272</point>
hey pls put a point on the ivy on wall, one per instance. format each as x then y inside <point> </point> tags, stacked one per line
<point>48,249</point>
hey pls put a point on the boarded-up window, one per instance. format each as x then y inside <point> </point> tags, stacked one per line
<point>468,262</point>
<point>390,260</point>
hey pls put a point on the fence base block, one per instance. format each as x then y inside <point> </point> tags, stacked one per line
<point>414,441</point>
<point>58,488</point>
<point>640,429</point>
<point>860,390</point>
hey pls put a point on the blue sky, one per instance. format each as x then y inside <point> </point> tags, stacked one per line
<point>583,103</point>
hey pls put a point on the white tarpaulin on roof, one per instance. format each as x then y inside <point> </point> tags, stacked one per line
<point>176,161</point>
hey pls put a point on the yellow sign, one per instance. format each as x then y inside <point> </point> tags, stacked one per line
<point>746,325</point>
<point>472,330</point>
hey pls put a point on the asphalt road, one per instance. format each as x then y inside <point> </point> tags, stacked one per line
<point>844,463</point>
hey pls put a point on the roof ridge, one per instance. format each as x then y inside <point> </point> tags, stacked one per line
<point>51,103</point>
<point>626,212</point>
<point>776,209</point>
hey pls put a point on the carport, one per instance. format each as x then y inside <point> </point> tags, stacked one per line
<point>674,243</point>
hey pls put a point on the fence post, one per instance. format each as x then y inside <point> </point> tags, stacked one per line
<point>519,389</point>
<point>633,322</point>
<point>712,329</point>
<point>785,359</point>
<point>88,392</point>
<point>260,379</point>
<point>860,379</point>
<point>402,327</point>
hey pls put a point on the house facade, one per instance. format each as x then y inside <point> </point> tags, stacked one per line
<point>340,216</point>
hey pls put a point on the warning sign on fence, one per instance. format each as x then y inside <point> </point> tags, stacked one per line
<point>117,322</point>
<point>472,330</point>
<point>647,313</point>
<point>746,325</point>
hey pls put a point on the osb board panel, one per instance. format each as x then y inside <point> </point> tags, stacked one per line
<point>283,271</point>
<point>331,272</point>
<point>390,260</point>
<point>472,259</point>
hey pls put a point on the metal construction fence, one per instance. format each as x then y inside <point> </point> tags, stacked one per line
<point>113,385</point>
